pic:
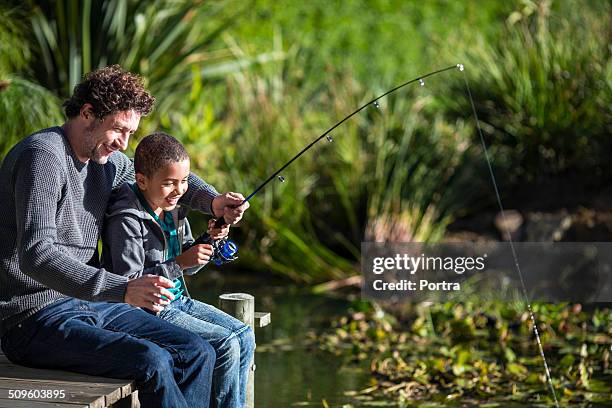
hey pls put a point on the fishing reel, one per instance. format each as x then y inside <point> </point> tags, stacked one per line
<point>224,249</point>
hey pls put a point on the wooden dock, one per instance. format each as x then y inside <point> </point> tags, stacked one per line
<point>80,391</point>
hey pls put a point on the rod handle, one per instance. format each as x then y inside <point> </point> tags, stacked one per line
<point>220,222</point>
<point>202,239</point>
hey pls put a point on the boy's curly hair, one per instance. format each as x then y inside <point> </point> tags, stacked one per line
<point>110,90</point>
<point>156,151</point>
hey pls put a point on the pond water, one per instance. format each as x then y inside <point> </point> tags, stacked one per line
<point>288,373</point>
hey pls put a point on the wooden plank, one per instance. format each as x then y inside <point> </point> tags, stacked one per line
<point>123,391</point>
<point>262,319</point>
<point>13,371</point>
<point>81,389</point>
<point>108,390</point>
<point>111,393</point>
<point>54,402</point>
<point>74,393</point>
<point>71,396</point>
<point>129,402</point>
<point>15,403</point>
<point>84,386</point>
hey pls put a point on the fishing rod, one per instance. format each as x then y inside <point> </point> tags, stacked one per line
<point>224,250</point>
<point>373,101</point>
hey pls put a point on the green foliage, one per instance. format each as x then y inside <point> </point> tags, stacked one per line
<point>478,352</point>
<point>161,40</point>
<point>419,171</point>
<point>380,41</point>
<point>14,53</point>
<point>542,90</point>
<point>27,108</point>
<point>24,106</point>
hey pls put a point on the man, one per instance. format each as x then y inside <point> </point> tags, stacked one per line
<point>54,309</point>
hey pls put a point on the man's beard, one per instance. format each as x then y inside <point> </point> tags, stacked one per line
<point>92,147</point>
<point>96,157</point>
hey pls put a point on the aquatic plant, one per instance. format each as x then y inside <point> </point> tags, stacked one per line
<point>478,352</point>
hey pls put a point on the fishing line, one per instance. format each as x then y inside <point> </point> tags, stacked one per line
<point>514,256</point>
<point>421,80</point>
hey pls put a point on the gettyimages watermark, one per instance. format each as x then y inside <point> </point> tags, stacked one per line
<point>551,272</point>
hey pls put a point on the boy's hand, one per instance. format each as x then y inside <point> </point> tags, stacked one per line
<point>194,256</point>
<point>217,233</point>
<point>146,292</point>
<point>229,206</point>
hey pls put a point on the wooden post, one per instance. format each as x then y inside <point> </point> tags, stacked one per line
<point>242,307</point>
<point>239,305</point>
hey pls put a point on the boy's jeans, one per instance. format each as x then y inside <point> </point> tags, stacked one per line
<point>171,366</point>
<point>233,341</point>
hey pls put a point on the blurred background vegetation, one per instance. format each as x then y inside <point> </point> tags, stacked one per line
<point>245,85</point>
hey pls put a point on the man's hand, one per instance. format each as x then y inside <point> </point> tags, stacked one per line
<point>229,206</point>
<point>217,233</point>
<point>196,255</point>
<point>147,291</point>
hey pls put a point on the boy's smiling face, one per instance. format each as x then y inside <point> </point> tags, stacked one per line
<point>163,188</point>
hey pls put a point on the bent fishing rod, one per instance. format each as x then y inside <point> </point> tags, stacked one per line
<point>314,142</point>
<point>224,250</point>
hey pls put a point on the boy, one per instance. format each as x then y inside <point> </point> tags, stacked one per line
<point>144,233</point>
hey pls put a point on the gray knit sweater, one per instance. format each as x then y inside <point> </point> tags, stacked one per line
<point>52,208</point>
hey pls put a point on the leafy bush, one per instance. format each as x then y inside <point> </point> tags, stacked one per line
<point>161,40</point>
<point>27,107</point>
<point>542,90</point>
<point>24,106</point>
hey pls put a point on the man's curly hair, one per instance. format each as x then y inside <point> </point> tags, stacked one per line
<point>110,90</point>
<point>156,151</point>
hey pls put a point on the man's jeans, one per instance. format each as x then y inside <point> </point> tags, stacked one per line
<point>171,366</point>
<point>233,341</point>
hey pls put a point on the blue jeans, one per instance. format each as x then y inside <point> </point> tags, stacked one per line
<point>171,367</point>
<point>233,341</point>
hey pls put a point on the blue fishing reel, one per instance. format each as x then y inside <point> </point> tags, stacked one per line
<point>224,249</point>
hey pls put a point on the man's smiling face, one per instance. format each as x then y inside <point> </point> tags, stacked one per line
<point>103,137</point>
